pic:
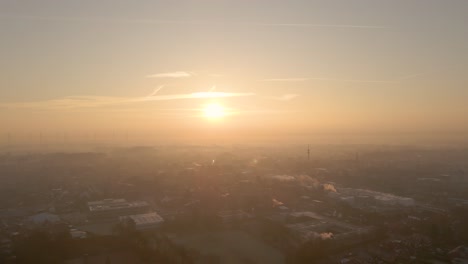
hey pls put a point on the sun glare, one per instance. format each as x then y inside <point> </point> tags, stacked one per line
<point>214,111</point>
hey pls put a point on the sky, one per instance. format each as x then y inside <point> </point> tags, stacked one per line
<point>277,69</point>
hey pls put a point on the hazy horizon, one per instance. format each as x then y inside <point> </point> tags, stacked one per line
<point>234,71</point>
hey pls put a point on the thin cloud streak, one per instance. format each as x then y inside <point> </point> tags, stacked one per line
<point>156,90</point>
<point>73,102</point>
<point>285,97</point>
<point>307,25</point>
<point>183,22</point>
<point>94,19</point>
<point>411,76</point>
<point>177,74</point>
<point>198,95</point>
<point>288,97</point>
<point>285,80</point>
<point>325,79</point>
<point>353,80</point>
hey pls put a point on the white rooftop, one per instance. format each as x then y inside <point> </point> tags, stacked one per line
<point>145,219</point>
<point>114,204</point>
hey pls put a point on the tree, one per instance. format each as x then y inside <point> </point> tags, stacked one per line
<point>41,247</point>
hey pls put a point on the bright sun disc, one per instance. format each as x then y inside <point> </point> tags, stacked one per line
<point>214,111</point>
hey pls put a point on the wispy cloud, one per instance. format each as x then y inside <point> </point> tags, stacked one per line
<point>353,80</point>
<point>285,97</point>
<point>285,80</point>
<point>218,94</point>
<point>94,19</point>
<point>177,74</point>
<point>75,102</point>
<point>325,79</point>
<point>288,97</point>
<point>310,25</point>
<point>156,90</point>
<point>189,22</point>
<point>216,75</point>
<point>411,76</point>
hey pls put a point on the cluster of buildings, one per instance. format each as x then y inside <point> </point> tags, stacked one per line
<point>306,226</point>
<point>370,199</point>
<point>272,195</point>
<point>100,219</point>
<point>111,211</point>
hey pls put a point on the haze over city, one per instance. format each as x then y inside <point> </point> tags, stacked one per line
<point>233,131</point>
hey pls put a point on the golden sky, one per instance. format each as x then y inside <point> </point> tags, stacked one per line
<point>234,69</point>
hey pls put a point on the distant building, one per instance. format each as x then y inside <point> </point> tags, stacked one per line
<point>77,234</point>
<point>363,198</point>
<point>112,209</point>
<point>306,226</point>
<point>144,221</point>
<point>44,219</point>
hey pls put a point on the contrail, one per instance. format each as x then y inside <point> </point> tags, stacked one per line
<point>101,101</point>
<point>325,79</point>
<point>188,22</point>
<point>156,90</point>
<point>307,25</point>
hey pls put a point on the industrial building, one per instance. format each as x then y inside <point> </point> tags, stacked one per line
<point>306,226</point>
<point>362,197</point>
<point>143,222</point>
<point>112,209</point>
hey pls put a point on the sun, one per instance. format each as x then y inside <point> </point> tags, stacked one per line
<point>214,111</point>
